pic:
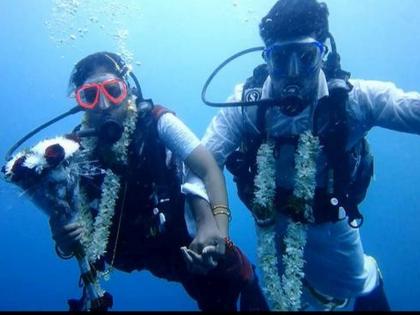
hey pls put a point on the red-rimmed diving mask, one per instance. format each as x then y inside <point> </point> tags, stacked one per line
<point>115,90</point>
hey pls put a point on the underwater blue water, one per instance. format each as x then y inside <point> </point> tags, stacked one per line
<point>178,44</point>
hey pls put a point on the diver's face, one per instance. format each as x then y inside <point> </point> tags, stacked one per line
<point>294,68</point>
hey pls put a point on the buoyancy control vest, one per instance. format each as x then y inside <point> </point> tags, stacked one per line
<point>349,169</point>
<point>149,212</point>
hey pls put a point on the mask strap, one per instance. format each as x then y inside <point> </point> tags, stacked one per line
<point>332,66</point>
<point>126,71</point>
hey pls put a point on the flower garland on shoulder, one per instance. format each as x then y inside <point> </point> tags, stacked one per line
<point>284,294</point>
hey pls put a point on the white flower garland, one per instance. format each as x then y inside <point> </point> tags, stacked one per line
<point>85,220</point>
<point>96,235</point>
<point>268,262</point>
<point>120,148</point>
<point>293,263</point>
<point>305,181</point>
<point>100,236</point>
<point>285,294</point>
<point>265,192</point>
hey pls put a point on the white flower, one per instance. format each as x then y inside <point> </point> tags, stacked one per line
<point>267,260</point>
<point>35,161</point>
<point>100,235</point>
<point>11,163</point>
<point>70,146</point>
<point>265,180</point>
<point>120,148</point>
<point>35,157</point>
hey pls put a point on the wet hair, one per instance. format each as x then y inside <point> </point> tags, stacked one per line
<point>110,62</point>
<point>295,18</point>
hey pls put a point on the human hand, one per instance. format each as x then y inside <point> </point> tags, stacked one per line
<point>205,250</point>
<point>66,236</point>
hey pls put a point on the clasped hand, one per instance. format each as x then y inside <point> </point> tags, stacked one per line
<point>205,251</point>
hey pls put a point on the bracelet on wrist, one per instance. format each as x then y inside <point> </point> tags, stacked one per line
<point>221,209</point>
<point>228,242</point>
<point>61,254</point>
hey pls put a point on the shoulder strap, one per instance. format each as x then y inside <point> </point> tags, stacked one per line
<point>149,149</point>
<point>252,92</point>
<point>335,139</point>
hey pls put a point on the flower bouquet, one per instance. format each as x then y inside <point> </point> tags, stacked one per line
<point>49,174</point>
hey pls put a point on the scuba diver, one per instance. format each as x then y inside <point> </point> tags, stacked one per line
<point>301,88</point>
<point>145,145</point>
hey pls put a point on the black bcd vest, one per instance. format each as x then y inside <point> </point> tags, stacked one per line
<point>150,192</point>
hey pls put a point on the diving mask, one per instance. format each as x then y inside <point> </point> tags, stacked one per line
<point>115,90</point>
<point>294,58</point>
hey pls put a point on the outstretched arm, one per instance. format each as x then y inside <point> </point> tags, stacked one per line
<point>384,105</point>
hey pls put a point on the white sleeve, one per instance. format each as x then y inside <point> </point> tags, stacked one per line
<point>384,105</point>
<point>177,136</point>
<point>193,185</point>
<point>222,137</point>
<point>224,134</point>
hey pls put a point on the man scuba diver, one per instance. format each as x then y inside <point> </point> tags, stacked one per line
<point>145,145</point>
<point>301,88</point>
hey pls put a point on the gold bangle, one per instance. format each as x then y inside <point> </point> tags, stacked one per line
<point>220,207</point>
<point>222,212</point>
<point>226,213</point>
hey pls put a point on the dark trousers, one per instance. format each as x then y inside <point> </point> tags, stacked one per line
<point>375,301</point>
